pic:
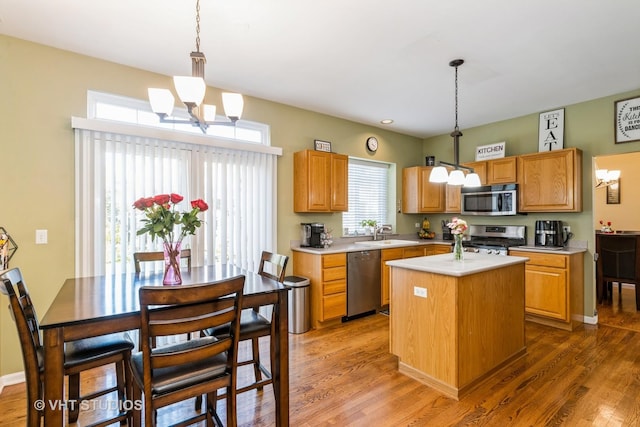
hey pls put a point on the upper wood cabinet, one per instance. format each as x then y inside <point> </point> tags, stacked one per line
<point>452,198</point>
<point>496,171</point>
<point>550,181</point>
<point>320,182</point>
<point>418,194</point>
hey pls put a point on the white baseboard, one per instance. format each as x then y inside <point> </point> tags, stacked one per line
<point>11,379</point>
<point>590,320</point>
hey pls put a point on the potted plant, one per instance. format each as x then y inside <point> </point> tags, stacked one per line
<point>369,225</point>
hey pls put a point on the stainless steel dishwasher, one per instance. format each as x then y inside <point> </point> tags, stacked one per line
<point>363,283</point>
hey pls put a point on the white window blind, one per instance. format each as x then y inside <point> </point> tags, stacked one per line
<point>113,170</point>
<point>368,194</point>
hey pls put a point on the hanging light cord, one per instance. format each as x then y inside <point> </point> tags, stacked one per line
<point>198,34</point>
<point>456,127</point>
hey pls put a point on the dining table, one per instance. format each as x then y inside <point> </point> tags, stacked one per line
<point>92,306</point>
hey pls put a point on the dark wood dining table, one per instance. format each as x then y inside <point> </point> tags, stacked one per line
<point>92,306</point>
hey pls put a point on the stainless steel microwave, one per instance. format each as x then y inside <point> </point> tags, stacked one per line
<point>490,200</point>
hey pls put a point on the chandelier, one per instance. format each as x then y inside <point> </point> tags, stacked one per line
<point>191,90</point>
<point>440,174</point>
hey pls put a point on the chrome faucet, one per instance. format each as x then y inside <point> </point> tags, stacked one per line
<point>380,229</point>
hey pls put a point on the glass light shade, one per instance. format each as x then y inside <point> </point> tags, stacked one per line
<point>601,174</point>
<point>472,180</point>
<point>233,104</point>
<point>456,177</point>
<point>209,112</point>
<point>161,100</point>
<point>439,174</point>
<point>190,89</point>
<point>613,175</point>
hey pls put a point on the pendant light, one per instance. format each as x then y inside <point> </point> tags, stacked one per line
<point>440,174</point>
<point>191,90</point>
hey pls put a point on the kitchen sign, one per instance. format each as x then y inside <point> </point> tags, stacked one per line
<point>551,130</point>
<point>627,120</point>
<point>491,151</point>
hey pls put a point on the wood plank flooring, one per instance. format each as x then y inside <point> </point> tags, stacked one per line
<point>344,376</point>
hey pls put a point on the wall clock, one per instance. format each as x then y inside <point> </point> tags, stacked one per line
<point>372,144</point>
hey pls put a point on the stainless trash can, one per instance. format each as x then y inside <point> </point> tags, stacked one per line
<point>299,304</point>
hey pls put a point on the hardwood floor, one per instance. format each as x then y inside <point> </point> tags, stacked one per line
<point>344,376</point>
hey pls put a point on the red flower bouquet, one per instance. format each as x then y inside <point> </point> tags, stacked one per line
<point>161,218</point>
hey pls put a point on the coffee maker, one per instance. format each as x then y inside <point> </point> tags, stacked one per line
<point>549,233</point>
<point>311,235</point>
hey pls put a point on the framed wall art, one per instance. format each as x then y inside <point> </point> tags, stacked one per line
<point>551,130</point>
<point>319,145</point>
<point>627,120</point>
<point>613,194</point>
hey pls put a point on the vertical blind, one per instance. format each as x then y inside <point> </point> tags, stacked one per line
<point>113,170</point>
<point>368,194</point>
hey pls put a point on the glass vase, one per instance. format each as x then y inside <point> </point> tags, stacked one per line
<point>458,253</point>
<point>172,274</point>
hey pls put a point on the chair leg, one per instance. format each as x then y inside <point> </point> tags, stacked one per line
<point>74,397</point>
<point>137,410</point>
<point>127,388</point>
<point>256,360</point>
<point>232,416</point>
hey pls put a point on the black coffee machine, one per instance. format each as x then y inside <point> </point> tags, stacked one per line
<point>311,235</point>
<point>549,233</point>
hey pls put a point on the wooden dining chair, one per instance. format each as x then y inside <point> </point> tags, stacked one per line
<point>139,257</point>
<point>254,325</point>
<point>79,356</point>
<point>170,374</point>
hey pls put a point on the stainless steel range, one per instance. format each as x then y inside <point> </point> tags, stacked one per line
<point>495,239</point>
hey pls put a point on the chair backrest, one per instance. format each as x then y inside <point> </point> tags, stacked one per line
<point>177,310</point>
<point>139,257</point>
<point>273,266</point>
<point>26,320</point>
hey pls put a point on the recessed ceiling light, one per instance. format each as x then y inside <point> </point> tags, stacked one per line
<point>386,121</point>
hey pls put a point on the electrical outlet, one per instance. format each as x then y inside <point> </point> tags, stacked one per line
<point>420,292</point>
<point>566,229</point>
<point>417,225</point>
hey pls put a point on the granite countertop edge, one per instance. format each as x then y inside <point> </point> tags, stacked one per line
<point>445,265</point>
<point>353,247</point>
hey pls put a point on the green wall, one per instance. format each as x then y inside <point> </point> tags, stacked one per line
<point>588,126</point>
<point>41,88</point>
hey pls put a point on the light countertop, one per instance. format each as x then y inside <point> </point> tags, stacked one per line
<point>445,265</point>
<point>567,250</point>
<point>355,247</point>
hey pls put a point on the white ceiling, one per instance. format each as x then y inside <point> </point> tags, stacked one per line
<point>364,60</point>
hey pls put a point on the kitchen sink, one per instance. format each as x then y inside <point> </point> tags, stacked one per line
<point>390,243</point>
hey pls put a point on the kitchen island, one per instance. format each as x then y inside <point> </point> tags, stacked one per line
<point>453,324</point>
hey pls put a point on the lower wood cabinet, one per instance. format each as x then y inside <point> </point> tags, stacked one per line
<point>328,277</point>
<point>400,253</point>
<point>554,288</point>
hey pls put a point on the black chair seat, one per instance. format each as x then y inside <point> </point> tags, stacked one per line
<point>167,380</point>
<point>251,322</point>
<point>83,351</point>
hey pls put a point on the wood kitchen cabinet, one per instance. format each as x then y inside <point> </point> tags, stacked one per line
<point>550,181</point>
<point>496,171</point>
<point>387,255</point>
<point>554,288</point>
<point>400,253</point>
<point>328,277</point>
<point>418,194</point>
<point>321,182</point>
